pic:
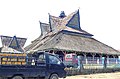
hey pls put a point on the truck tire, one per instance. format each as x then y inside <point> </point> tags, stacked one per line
<point>54,76</point>
<point>17,77</point>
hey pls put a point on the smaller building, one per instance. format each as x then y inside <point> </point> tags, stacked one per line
<point>12,44</point>
<point>12,51</point>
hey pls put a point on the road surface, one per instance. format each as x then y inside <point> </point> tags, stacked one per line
<point>115,75</point>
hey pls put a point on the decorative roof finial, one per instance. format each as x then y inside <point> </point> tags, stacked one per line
<point>62,14</point>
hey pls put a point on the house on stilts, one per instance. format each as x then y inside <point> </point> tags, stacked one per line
<point>63,35</point>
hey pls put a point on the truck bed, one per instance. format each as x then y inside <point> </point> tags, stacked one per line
<point>25,70</point>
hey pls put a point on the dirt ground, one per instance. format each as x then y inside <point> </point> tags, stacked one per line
<point>115,75</point>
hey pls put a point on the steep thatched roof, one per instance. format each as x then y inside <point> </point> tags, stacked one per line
<point>7,40</point>
<point>66,41</point>
<point>70,22</point>
<point>66,34</point>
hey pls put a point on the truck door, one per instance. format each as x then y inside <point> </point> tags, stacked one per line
<point>41,64</point>
<point>56,65</point>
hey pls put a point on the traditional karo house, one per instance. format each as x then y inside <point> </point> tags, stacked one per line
<point>64,35</point>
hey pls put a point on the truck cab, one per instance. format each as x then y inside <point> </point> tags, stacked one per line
<point>38,65</point>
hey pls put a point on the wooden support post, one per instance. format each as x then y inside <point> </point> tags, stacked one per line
<point>105,62</point>
<point>85,58</point>
<point>113,59</point>
<point>93,55</point>
<point>107,59</point>
<point>53,52</point>
<point>100,59</point>
<point>64,53</point>
<point>80,64</point>
<point>116,60</point>
<point>100,56</point>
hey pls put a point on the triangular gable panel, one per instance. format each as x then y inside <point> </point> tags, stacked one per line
<point>55,23</point>
<point>45,28</point>
<point>74,22</point>
<point>14,43</point>
<point>21,41</point>
<point>6,40</point>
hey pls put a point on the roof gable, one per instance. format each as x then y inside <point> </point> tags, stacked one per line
<point>74,22</point>
<point>14,43</point>
<point>56,23</point>
<point>6,40</point>
<point>45,28</point>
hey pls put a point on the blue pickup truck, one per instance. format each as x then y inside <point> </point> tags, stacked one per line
<point>40,65</point>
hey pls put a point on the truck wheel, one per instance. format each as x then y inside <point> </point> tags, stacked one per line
<point>54,76</point>
<point>17,77</point>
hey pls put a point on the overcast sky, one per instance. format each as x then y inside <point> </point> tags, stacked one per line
<point>98,17</point>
